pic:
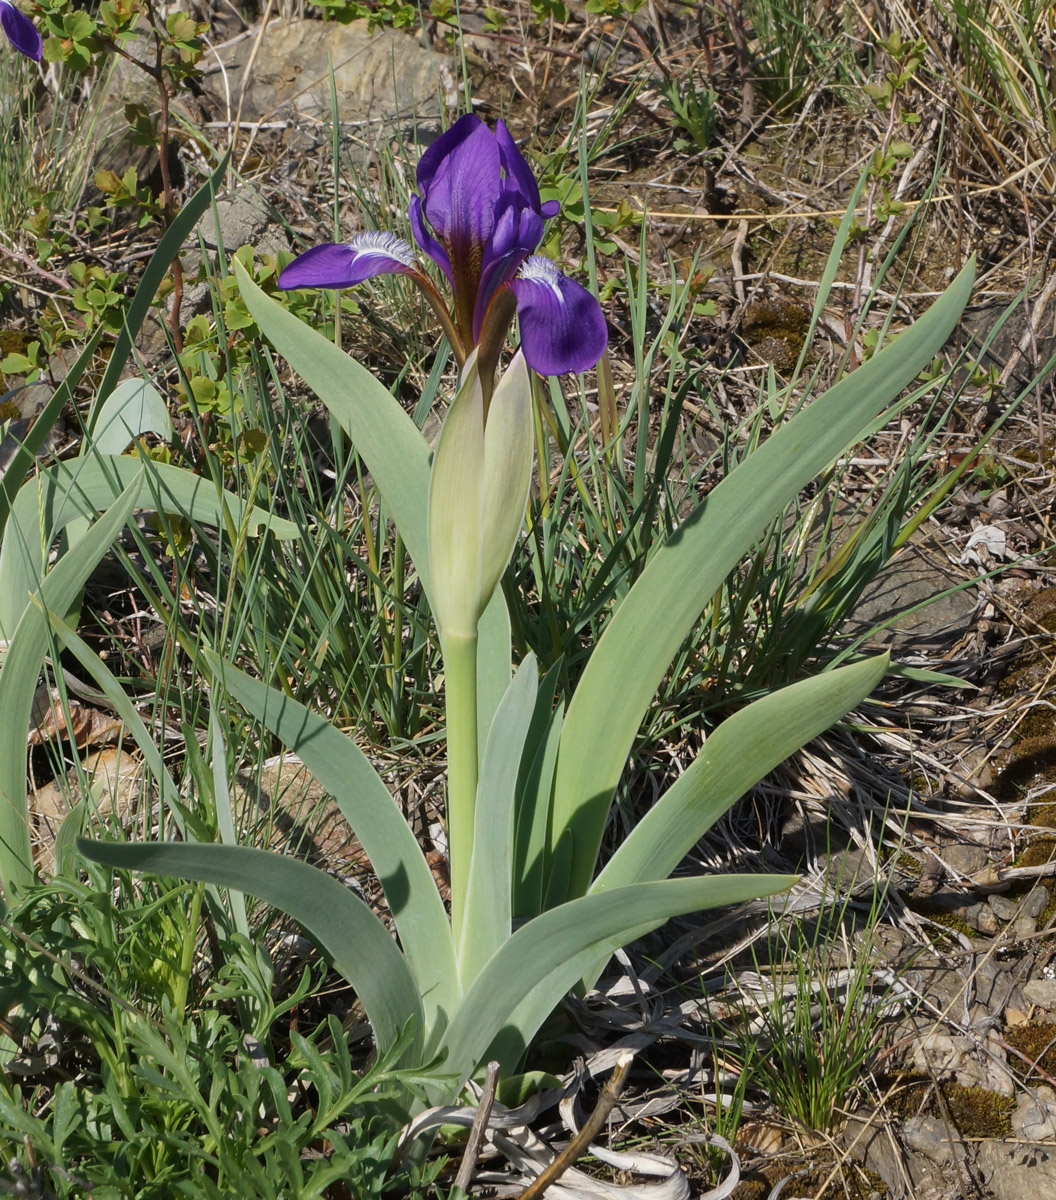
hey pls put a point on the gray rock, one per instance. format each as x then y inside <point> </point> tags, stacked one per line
<point>384,78</point>
<point>1041,992</point>
<point>930,1136</point>
<point>1035,1117</point>
<point>1016,1172</point>
<point>1036,901</point>
<point>1006,909</point>
<point>918,575</point>
<point>965,858</point>
<point>1024,927</point>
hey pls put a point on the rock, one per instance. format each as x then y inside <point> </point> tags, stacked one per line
<point>1036,901</point>
<point>1024,927</point>
<point>964,858</point>
<point>384,78</point>
<point>1041,992</point>
<point>918,574</point>
<point>970,1064</point>
<point>930,1136</point>
<point>1006,909</point>
<point>1035,1117</point>
<point>1017,1172</point>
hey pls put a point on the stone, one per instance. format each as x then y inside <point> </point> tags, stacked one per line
<point>917,575</point>
<point>1041,992</point>
<point>930,1136</point>
<point>1036,901</point>
<point>1017,1172</point>
<point>384,80</point>
<point>1006,909</point>
<point>964,858</point>
<point>1024,927</point>
<point>1034,1119</point>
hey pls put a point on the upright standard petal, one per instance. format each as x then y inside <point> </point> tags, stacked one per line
<point>562,325</point>
<point>344,264</point>
<point>20,30</point>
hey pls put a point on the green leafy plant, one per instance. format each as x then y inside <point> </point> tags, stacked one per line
<point>530,786</point>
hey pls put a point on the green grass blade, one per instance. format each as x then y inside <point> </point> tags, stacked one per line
<point>392,446</point>
<point>71,490</point>
<point>153,276</point>
<point>342,768</point>
<point>18,681</point>
<point>359,945</point>
<point>544,959</point>
<point>744,748</point>
<point>489,904</point>
<point>657,614</point>
<point>17,469</point>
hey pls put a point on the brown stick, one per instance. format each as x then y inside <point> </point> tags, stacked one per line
<point>609,1095</point>
<point>478,1128</point>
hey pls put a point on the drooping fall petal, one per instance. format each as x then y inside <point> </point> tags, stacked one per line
<point>21,32</point>
<point>343,264</point>
<point>562,325</point>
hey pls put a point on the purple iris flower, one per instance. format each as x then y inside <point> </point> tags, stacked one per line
<point>480,218</point>
<point>20,30</point>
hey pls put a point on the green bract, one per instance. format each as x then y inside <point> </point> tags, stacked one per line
<point>530,786</point>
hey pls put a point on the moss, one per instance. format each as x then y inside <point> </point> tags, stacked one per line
<point>776,329</point>
<point>978,1113</point>
<point>1036,1040</point>
<point>852,1182</point>
<point>9,411</point>
<point>973,1111</point>
<point>941,916</point>
<point>13,341</point>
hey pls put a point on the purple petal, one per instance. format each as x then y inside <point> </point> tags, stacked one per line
<point>562,325</point>
<point>519,175</point>
<point>21,31</point>
<point>516,236</point>
<point>344,264</point>
<point>427,242</point>
<point>460,180</point>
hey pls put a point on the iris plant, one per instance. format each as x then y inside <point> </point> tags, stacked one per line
<point>20,30</point>
<point>479,217</point>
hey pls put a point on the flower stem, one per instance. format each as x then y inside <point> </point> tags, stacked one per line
<point>460,698</point>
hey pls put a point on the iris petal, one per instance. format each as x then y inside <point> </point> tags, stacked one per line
<point>562,325</point>
<point>343,264</point>
<point>459,177</point>
<point>21,32</point>
<point>427,242</point>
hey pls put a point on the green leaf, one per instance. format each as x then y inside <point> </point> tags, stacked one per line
<point>658,613</point>
<point>71,490</point>
<point>358,944</point>
<point>489,905</point>
<point>18,681</point>
<point>133,408</point>
<point>153,276</point>
<point>342,768</point>
<point>392,446</point>
<point>744,748</point>
<point>532,971</point>
<point>478,491</point>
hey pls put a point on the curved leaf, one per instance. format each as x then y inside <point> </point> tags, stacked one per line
<point>744,748</point>
<point>531,972</point>
<point>392,446</point>
<point>71,490</point>
<point>18,680</point>
<point>659,611</point>
<point>342,768</point>
<point>359,945</point>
